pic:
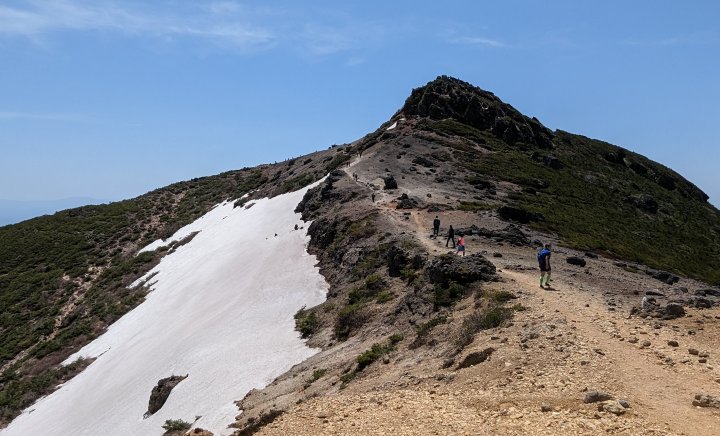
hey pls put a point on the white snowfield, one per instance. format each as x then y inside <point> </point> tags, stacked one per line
<point>221,310</point>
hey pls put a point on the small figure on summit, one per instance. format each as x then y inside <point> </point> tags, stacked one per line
<point>436,226</point>
<point>544,261</point>
<point>451,236</point>
<point>373,197</point>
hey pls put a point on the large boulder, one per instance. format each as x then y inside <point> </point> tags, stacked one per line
<point>463,270</point>
<point>161,392</point>
<point>575,260</point>
<point>643,202</point>
<point>520,215</point>
<point>390,182</point>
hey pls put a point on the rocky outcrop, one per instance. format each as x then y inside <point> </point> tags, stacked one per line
<point>643,202</point>
<point>390,182</point>
<point>447,97</point>
<point>161,392</point>
<point>405,202</point>
<point>463,270</point>
<point>518,214</point>
<point>575,260</point>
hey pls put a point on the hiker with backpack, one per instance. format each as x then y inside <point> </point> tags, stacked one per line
<point>436,226</point>
<point>544,262</point>
<point>451,237</point>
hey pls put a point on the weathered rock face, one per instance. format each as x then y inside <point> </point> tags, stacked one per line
<point>476,357</point>
<point>520,215</point>
<point>161,392</point>
<point>650,308</point>
<point>405,202</point>
<point>664,276</point>
<point>643,202</point>
<point>510,234</point>
<point>575,260</point>
<point>463,270</point>
<point>704,400</point>
<point>390,182</point>
<point>447,97</point>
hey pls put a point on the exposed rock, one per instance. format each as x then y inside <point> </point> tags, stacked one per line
<point>574,260</point>
<point>693,351</point>
<point>397,259</point>
<point>447,97</point>
<point>613,407</point>
<point>520,215</point>
<point>596,396</point>
<point>643,202</point>
<point>674,310</point>
<point>466,269</point>
<point>199,432</point>
<point>552,162</point>
<point>510,234</point>
<point>702,303</point>
<point>476,358</point>
<point>625,403</point>
<point>390,182</point>
<point>161,392</point>
<point>591,255</point>
<point>405,202</point>
<point>664,277</point>
<point>704,400</point>
<point>673,343</point>
<point>423,161</point>
<point>546,408</point>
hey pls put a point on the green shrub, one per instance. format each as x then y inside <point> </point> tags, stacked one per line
<point>349,319</point>
<point>449,295</point>
<point>396,338</point>
<point>306,322</point>
<point>374,353</point>
<point>176,425</point>
<point>502,296</point>
<point>384,297</point>
<point>493,316</point>
<point>318,374</point>
<point>374,282</point>
<point>424,329</point>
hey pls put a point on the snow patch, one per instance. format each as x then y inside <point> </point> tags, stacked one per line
<point>393,126</point>
<point>221,310</point>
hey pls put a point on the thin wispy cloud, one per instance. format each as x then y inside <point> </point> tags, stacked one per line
<point>477,41</point>
<point>696,38</point>
<point>10,115</point>
<point>221,21</point>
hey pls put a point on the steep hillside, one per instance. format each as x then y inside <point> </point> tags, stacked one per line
<point>405,317</point>
<point>64,278</point>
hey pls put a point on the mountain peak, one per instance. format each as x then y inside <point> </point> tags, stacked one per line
<point>448,97</point>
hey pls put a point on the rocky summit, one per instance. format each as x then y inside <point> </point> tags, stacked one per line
<point>416,336</point>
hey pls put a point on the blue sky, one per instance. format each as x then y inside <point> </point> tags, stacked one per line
<point>110,99</point>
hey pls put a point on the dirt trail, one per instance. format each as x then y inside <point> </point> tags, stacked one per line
<point>664,393</point>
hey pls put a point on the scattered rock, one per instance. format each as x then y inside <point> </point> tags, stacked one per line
<point>596,396</point>
<point>405,202</point>
<point>704,400</point>
<point>390,182</point>
<point>643,202</point>
<point>664,277</point>
<point>591,255</point>
<point>625,403</point>
<point>613,407</point>
<point>693,351</point>
<point>646,344</point>
<point>520,215</point>
<point>673,343</point>
<point>655,293</point>
<point>199,432</point>
<point>475,358</point>
<point>575,260</point>
<point>497,255</point>
<point>546,408</point>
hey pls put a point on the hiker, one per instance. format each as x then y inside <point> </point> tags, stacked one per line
<point>544,261</point>
<point>436,226</point>
<point>373,197</point>
<point>461,245</point>
<point>451,236</point>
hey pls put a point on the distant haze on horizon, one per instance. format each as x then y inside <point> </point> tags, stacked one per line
<point>111,99</point>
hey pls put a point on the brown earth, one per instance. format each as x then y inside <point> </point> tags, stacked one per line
<point>562,342</point>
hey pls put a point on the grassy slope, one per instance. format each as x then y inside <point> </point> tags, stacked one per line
<point>584,201</point>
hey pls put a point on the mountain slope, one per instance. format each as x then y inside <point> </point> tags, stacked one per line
<point>401,311</point>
